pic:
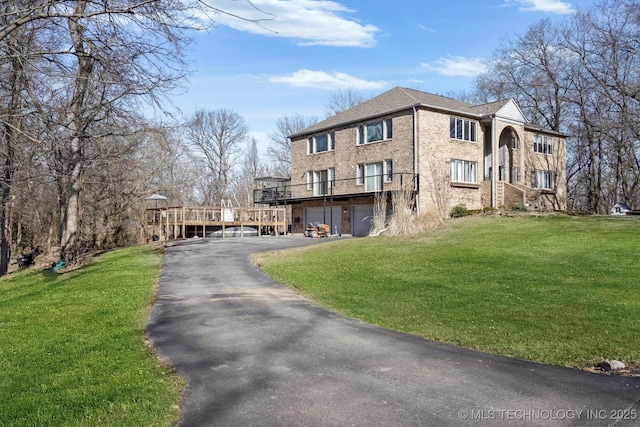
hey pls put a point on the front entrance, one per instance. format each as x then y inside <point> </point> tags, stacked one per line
<point>508,169</point>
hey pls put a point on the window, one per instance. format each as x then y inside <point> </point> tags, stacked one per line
<point>379,130</point>
<point>388,170</point>
<point>543,179</point>
<point>542,144</point>
<point>514,174</point>
<point>371,175</point>
<point>310,180</point>
<point>321,143</point>
<point>374,131</point>
<point>321,181</point>
<point>464,130</point>
<point>464,171</point>
<point>331,173</point>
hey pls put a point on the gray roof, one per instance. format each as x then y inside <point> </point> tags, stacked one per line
<point>490,108</point>
<point>398,99</point>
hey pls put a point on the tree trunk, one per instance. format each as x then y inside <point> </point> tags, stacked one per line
<point>69,235</point>
<point>10,137</point>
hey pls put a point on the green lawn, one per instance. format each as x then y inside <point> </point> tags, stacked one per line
<point>552,289</point>
<point>72,346</point>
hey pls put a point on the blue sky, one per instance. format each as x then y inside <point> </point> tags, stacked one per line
<point>305,49</point>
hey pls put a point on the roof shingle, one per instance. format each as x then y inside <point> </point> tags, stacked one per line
<point>397,99</point>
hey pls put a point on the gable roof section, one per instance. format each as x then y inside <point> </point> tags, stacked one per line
<point>396,99</point>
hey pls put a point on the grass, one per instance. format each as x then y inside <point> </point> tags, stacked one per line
<point>73,351</point>
<point>554,289</point>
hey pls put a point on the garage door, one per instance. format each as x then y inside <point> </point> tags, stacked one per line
<point>324,215</point>
<point>361,216</point>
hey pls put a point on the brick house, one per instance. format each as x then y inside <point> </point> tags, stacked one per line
<point>445,151</point>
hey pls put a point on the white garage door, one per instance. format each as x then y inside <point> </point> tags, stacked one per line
<point>324,215</point>
<point>361,216</point>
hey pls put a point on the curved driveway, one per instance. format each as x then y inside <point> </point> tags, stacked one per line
<point>257,354</point>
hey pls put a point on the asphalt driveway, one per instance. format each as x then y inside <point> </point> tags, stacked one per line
<point>257,354</point>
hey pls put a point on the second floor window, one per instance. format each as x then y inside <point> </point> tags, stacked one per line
<point>542,144</point>
<point>322,181</point>
<point>464,171</point>
<point>321,143</point>
<point>462,129</point>
<point>376,131</point>
<point>373,175</point>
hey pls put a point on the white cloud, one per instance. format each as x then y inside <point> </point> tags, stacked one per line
<point>457,66</point>
<point>323,80</point>
<point>428,29</point>
<point>549,6</point>
<point>309,22</point>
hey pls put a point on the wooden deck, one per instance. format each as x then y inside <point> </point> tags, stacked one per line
<point>179,222</point>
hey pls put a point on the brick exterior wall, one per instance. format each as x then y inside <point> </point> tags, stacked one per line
<point>435,150</point>
<point>348,154</point>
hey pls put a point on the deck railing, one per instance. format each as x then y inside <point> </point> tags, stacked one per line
<point>189,221</point>
<point>283,193</point>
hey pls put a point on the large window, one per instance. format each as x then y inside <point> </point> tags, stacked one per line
<point>543,179</point>
<point>542,144</point>
<point>376,131</point>
<point>464,171</point>
<point>321,143</point>
<point>373,181</point>
<point>373,175</point>
<point>322,181</point>
<point>462,129</point>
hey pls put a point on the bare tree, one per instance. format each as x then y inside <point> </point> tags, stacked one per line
<point>279,151</point>
<point>604,43</point>
<point>73,77</point>
<point>533,70</point>
<point>250,168</point>
<point>100,59</point>
<point>341,100</point>
<point>582,77</point>
<point>12,110</point>
<point>164,166</point>
<point>215,139</point>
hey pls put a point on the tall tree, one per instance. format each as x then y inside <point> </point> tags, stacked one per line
<point>250,169</point>
<point>279,151</point>
<point>15,45</point>
<point>532,69</point>
<point>582,76</point>
<point>605,41</point>
<point>74,75</point>
<point>215,138</point>
<point>343,99</point>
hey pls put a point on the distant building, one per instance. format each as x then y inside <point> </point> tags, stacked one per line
<point>621,208</point>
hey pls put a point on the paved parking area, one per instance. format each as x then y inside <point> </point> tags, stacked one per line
<point>257,354</point>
